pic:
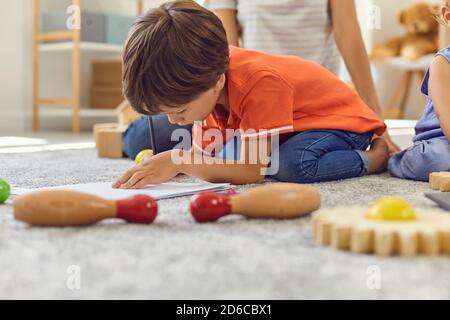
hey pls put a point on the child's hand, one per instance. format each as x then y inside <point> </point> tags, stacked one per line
<point>152,170</point>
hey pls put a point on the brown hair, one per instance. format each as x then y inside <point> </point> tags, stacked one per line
<point>173,54</point>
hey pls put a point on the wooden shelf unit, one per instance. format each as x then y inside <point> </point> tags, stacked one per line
<point>73,45</point>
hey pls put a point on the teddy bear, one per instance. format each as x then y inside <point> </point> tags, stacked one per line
<point>421,37</point>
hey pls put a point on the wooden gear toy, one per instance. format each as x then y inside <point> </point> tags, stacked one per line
<point>390,226</point>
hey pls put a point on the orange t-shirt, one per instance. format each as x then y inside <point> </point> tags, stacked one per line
<point>274,94</point>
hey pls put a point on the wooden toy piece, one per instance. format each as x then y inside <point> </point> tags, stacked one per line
<point>140,156</point>
<point>108,136</point>
<point>5,191</point>
<point>70,208</point>
<point>126,114</point>
<point>105,126</point>
<point>274,201</point>
<point>108,139</point>
<point>440,181</point>
<point>388,228</point>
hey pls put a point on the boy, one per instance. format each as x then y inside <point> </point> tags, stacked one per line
<point>177,61</point>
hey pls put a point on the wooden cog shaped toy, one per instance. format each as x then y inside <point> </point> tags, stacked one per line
<point>390,226</point>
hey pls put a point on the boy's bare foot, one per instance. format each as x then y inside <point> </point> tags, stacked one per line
<point>378,156</point>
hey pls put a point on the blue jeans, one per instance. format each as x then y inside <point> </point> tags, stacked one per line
<point>316,156</point>
<point>138,138</point>
<point>425,157</point>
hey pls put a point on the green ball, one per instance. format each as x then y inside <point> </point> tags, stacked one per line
<point>5,191</point>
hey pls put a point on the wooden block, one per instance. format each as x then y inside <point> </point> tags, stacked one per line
<point>106,97</point>
<point>102,126</point>
<point>440,181</point>
<point>347,228</point>
<point>109,142</point>
<point>126,114</point>
<point>107,73</point>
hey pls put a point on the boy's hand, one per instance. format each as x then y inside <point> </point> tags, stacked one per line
<point>152,170</point>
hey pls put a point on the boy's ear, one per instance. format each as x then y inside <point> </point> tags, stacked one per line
<point>221,82</point>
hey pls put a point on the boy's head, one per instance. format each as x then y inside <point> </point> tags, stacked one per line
<point>174,61</point>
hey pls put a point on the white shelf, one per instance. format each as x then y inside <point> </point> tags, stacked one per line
<point>84,46</point>
<point>84,112</point>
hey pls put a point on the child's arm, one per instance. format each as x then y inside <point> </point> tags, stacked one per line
<point>350,43</point>
<point>161,168</point>
<point>249,169</point>
<point>439,91</point>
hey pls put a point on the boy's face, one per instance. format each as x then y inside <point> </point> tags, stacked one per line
<point>445,11</point>
<point>198,109</point>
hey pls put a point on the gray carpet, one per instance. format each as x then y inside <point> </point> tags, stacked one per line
<point>176,258</point>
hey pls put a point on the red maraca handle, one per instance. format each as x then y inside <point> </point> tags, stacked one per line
<point>209,206</point>
<point>137,209</point>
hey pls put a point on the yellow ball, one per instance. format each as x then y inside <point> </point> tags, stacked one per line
<point>141,155</point>
<point>391,209</point>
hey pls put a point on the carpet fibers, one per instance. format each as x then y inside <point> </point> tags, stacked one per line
<point>176,258</point>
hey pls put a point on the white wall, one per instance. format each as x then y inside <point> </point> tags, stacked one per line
<point>362,12</point>
<point>12,71</point>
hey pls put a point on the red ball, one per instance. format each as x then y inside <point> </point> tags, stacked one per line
<point>209,206</point>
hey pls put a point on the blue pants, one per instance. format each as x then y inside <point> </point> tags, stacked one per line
<point>137,137</point>
<point>304,157</point>
<point>316,156</point>
<point>425,157</point>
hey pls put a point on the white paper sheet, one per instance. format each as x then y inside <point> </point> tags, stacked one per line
<point>160,191</point>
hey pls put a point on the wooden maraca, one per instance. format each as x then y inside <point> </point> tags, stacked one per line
<point>275,201</point>
<point>70,208</point>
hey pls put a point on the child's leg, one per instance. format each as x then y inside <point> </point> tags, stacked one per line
<point>325,155</point>
<point>425,157</point>
<point>137,137</point>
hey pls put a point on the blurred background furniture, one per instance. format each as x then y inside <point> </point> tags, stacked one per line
<point>410,70</point>
<point>73,41</point>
